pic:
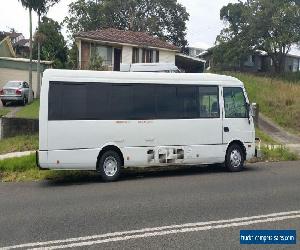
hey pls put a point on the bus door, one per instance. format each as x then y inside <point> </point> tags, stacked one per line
<point>236,122</point>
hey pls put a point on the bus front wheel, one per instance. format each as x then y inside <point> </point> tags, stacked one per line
<point>109,166</point>
<point>234,160</point>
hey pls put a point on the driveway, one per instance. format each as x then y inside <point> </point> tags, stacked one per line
<point>194,208</point>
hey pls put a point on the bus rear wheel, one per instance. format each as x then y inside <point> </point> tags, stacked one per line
<point>234,160</point>
<point>109,166</point>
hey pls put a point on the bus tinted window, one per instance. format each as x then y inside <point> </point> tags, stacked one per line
<point>67,101</point>
<point>105,101</point>
<point>166,102</point>
<point>187,102</point>
<point>121,103</point>
<point>144,102</point>
<point>235,103</point>
<point>209,102</point>
<point>98,101</point>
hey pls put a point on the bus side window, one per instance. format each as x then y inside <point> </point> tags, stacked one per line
<point>234,102</point>
<point>209,102</point>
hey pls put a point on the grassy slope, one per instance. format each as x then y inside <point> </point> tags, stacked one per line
<point>19,143</point>
<point>278,99</point>
<point>30,111</point>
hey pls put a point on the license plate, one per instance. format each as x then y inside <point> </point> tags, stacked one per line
<point>9,92</point>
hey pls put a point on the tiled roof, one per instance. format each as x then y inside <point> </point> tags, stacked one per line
<point>128,37</point>
<point>22,43</point>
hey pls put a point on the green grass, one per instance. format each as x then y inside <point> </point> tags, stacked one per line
<point>278,154</point>
<point>278,99</point>
<point>265,139</point>
<point>19,143</point>
<point>25,169</point>
<point>273,154</point>
<point>3,112</point>
<point>30,111</point>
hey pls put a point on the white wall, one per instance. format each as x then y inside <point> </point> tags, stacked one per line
<point>167,56</point>
<point>127,54</point>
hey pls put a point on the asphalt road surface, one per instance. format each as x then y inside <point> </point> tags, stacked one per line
<point>193,208</point>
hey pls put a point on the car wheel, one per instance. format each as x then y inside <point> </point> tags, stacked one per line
<point>234,160</point>
<point>23,102</point>
<point>3,103</point>
<point>109,166</point>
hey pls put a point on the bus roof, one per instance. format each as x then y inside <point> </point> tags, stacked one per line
<point>138,77</point>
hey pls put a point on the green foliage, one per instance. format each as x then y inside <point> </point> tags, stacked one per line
<point>19,144</point>
<point>30,111</point>
<point>271,26</point>
<point>96,63</point>
<point>72,57</point>
<point>165,19</point>
<point>278,154</point>
<point>54,46</point>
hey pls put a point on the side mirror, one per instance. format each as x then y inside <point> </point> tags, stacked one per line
<point>252,110</point>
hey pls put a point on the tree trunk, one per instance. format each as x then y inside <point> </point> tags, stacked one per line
<point>30,97</point>
<point>38,89</point>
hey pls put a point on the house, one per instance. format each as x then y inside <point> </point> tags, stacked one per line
<point>13,68</point>
<point>19,43</point>
<point>6,48</point>
<point>22,48</point>
<point>118,46</point>
<point>258,61</point>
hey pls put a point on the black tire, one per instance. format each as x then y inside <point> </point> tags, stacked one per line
<point>23,102</point>
<point>112,172</point>
<point>235,157</point>
<point>3,103</point>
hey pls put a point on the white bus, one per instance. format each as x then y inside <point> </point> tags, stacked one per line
<point>106,121</point>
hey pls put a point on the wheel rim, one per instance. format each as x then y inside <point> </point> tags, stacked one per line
<point>235,158</point>
<point>110,166</point>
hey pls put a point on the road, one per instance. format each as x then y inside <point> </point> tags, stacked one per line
<point>216,203</point>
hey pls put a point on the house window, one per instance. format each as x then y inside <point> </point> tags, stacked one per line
<point>157,56</point>
<point>150,56</point>
<point>135,55</point>
<point>105,52</point>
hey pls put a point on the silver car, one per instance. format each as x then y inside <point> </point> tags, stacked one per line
<point>15,91</point>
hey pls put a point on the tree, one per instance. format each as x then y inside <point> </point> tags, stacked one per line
<point>30,5</point>
<point>42,8</point>
<point>165,19</point>
<point>54,45</point>
<point>271,26</point>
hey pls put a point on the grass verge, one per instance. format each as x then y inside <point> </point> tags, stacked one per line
<point>19,144</point>
<point>3,112</point>
<point>30,111</point>
<point>24,169</point>
<point>270,153</point>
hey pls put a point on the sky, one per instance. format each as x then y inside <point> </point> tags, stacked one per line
<point>203,27</point>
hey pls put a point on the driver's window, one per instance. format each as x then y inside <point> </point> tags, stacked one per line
<point>235,103</point>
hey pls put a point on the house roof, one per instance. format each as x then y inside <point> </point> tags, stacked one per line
<point>13,34</point>
<point>126,37</point>
<point>6,48</point>
<point>22,43</point>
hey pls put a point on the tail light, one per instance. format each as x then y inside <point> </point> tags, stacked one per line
<point>1,92</point>
<point>18,92</point>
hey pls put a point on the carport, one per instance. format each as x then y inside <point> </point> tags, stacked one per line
<point>189,64</point>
